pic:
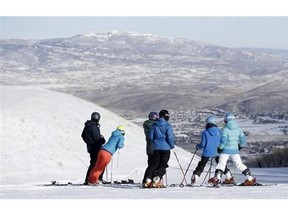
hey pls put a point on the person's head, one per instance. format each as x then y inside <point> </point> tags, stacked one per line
<point>228,117</point>
<point>153,116</point>
<point>95,116</point>
<point>121,128</point>
<point>211,120</point>
<point>165,114</point>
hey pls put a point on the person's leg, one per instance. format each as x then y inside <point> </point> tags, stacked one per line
<point>149,162</point>
<point>93,159</point>
<point>149,173</point>
<point>243,168</point>
<point>161,169</point>
<point>103,160</point>
<point>223,158</point>
<point>163,163</point>
<point>199,169</point>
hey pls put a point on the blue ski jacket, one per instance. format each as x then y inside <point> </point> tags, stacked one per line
<point>210,140</point>
<point>116,141</point>
<point>162,135</point>
<point>232,137</point>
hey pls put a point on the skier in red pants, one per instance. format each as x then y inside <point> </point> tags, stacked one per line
<point>115,142</point>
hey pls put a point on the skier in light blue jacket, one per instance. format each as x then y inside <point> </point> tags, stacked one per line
<point>232,140</point>
<point>115,142</point>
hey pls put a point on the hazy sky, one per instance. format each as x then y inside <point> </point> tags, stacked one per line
<point>244,23</point>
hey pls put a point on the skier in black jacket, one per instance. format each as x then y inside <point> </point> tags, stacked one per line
<point>94,140</point>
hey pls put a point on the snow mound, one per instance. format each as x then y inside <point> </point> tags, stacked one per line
<point>41,138</point>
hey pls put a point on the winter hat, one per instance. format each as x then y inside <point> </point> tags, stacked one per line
<point>165,114</point>
<point>228,117</point>
<point>211,120</point>
<point>153,116</point>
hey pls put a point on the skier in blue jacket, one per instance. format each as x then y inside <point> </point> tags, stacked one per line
<point>162,137</point>
<point>210,139</point>
<point>232,141</point>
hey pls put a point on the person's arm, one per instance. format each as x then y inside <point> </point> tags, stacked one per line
<point>202,144</point>
<point>170,137</point>
<point>223,140</point>
<point>120,143</point>
<point>242,139</point>
<point>96,133</point>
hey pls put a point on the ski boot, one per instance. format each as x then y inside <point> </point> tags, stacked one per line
<point>229,181</point>
<point>250,182</point>
<point>147,183</point>
<point>194,179</point>
<point>157,183</point>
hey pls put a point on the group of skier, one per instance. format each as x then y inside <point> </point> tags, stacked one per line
<point>227,143</point>
<point>219,144</point>
<point>215,143</point>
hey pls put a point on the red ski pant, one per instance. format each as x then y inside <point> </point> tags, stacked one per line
<point>103,160</point>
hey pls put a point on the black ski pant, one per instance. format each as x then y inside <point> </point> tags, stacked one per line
<point>159,163</point>
<point>202,163</point>
<point>149,162</point>
<point>93,159</point>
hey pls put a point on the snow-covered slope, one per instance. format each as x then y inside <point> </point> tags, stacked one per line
<point>40,141</point>
<point>40,138</point>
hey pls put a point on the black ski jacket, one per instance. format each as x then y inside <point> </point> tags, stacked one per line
<point>92,136</point>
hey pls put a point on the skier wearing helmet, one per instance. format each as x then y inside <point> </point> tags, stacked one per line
<point>162,137</point>
<point>94,140</point>
<point>115,142</point>
<point>210,139</point>
<point>232,141</point>
<point>147,125</point>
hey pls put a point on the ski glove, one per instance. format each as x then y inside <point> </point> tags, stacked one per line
<point>239,147</point>
<point>219,150</point>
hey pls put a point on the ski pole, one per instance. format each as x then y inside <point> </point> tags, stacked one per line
<point>111,169</point>
<point>80,160</point>
<point>210,168</point>
<point>166,177</point>
<point>184,178</point>
<point>106,170</point>
<point>118,158</point>
<point>180,167</point>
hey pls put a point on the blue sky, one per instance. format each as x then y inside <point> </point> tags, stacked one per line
<point>262,32</point>
<point>237,23</point>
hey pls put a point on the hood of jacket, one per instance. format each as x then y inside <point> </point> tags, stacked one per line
<point>161,122</point>
<point>90,122</point>
<point>213,131</point>
<point>232,125</point>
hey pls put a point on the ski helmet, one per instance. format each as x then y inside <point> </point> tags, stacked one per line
<point>228,117</point>
<point>211,120</point>
<point>153,116</point>
<point>121,128</point>
<point>95,116</point>
<point>165,114</point>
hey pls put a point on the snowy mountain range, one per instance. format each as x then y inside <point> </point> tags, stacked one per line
<point>130,73</point>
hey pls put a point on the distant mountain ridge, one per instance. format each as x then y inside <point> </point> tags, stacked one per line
<point>111,67</point>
